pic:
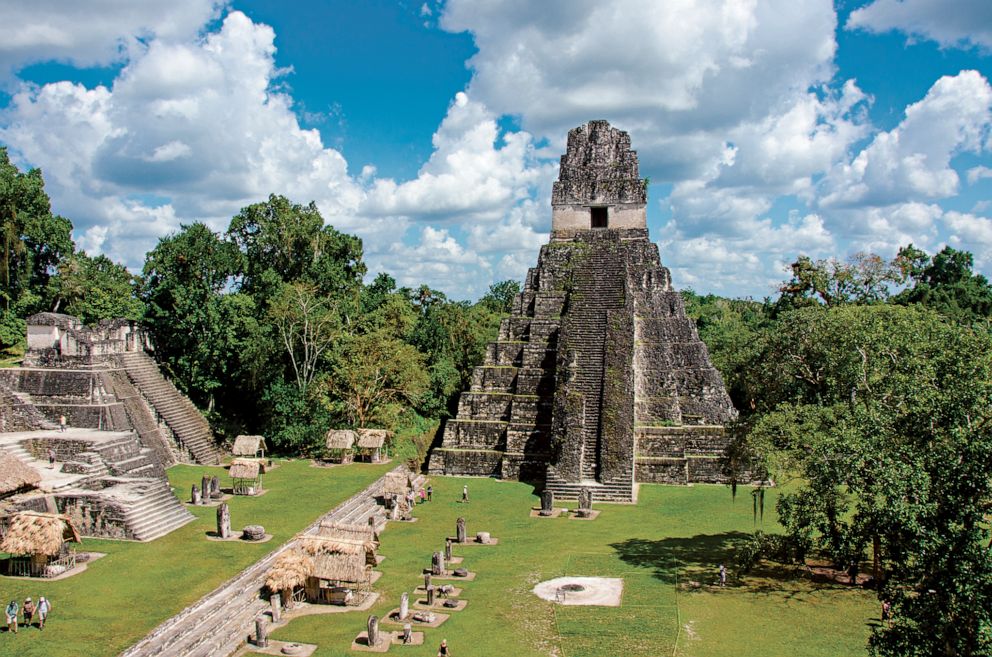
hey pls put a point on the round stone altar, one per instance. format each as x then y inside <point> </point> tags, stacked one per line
<point>582,591</point>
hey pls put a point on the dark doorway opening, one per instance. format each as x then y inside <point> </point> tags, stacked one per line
<point>600,217</point>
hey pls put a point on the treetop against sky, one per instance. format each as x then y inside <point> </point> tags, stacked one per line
<point>768,129</point>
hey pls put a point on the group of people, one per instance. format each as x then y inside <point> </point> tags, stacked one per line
<point>29,611</point>
<point>424,494</point>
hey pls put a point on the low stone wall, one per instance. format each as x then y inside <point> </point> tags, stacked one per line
<point>470,462</point>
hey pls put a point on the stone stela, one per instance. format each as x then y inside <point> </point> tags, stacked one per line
<point>598,379</point>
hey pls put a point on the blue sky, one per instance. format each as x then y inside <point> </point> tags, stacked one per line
<point>768,128</point>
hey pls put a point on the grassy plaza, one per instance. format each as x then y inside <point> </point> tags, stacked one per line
<point>672,536</point>
<point>136,586</point>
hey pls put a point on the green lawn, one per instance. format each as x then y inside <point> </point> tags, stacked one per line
<point>122,596</point>
<point>673,535</point>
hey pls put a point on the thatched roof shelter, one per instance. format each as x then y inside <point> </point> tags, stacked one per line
<point>31,532</point>
<point>396,483</point>
<point>244,469</point>
<point>340,566</point>
<point>14,474</point>
<point>341,439</point>
<point>290,570</point>
<point>248,446</point>
<point>372,438</point>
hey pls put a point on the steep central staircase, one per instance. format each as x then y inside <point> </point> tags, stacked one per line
<point>179,413</point>
<point>598,287</point>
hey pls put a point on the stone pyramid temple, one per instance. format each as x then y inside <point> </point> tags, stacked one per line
<point>598,379</point>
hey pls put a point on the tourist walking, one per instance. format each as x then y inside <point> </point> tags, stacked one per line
<point>465,493</point>
<point>51,458</point>
<point>430,491</point>
<point>12,609</point>
<point>442,651</point>
<point>887,612</point>
<point>62,423</point>
<point>423,496</point>
<point>44,606</point>
<point>28,610</point>
<point>723,575</point>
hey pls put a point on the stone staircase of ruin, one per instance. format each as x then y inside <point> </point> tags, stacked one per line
<point>620,489</point>
<point>220,622</point>
<point>599,286</point>
<point>141,418</point>
<point>156,512</point>
<point>182,417</point>
<point>20,403</point>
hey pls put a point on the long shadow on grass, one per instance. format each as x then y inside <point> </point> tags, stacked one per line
<point>671,555</point>
<point>699,557</point>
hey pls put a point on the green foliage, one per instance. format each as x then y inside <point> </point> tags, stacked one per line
<point>95,288</point>
<point>946,284</point>
<point>881,410</point>
<point>32,240</point>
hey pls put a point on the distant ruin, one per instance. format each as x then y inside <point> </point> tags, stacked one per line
<point>598,379</point>
<point>125,423</point>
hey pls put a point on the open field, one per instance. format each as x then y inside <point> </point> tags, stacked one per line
<point>122,596</point>
<point>673,535</point>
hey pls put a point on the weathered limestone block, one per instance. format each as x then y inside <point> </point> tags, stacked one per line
<point>460,534</point>
<point>224,520</point>
<point>373,631</point>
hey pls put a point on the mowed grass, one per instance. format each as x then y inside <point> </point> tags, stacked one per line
<point>673,535</point>
<point>125,594</point>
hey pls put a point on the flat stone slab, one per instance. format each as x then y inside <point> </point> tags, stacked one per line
<point>582,591</point>
<point>450,575</point>
<point>454,543</point>
<point>416,639</point>
<point>275,648</point>
<point>439,604</point>
<point>361,642</point>
<point>235,537</point>
<point>592,516</point>
<point>555,513</point>
<point>214,501</point>
<point>311,609</point>
<point>455,592</point>
<point>78,569</point>
<point>391,618</point>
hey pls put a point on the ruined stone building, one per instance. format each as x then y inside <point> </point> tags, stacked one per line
<point>126,424</point>
<point>598,379</point>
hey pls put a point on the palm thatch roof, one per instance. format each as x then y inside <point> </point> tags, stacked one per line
<point>14,474</point>
<point>31,532</point>
<point>340,566</point>
<point>339,530</point>
<point>290,570</point>
<point>396,483</point>
<point>248,445</point>
<point>244,469</point>
<point>340,439</point>
<point>372,438</point>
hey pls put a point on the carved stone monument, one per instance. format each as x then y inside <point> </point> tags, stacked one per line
<point>447,549</point>
<point>460,535</point>
<point>483,538</point>
<point>430,596</point>
<point>407,633</point>
<point>373,630</point>
<point>566,394</point>
<point>215,486</point>
<point>224,521</point>
<point>261,635</point>
<point>585,503</point>
<point>427,579</point>
<point>194,496</point>
<point>437,565</point>
<point>404,605</point>
<point>547,503</point>
<point>275,604</point>
<point>205,489</point>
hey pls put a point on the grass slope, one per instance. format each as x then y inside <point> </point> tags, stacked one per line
<point>122,596</point>
<point>673,535</point>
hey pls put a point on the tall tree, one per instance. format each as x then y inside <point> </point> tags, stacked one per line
<point>883,413</point>
<point>94,289</point>
<point>945,283</point>
<point>308,325</point>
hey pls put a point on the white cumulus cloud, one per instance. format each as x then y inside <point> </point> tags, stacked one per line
<point>963,22</point>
